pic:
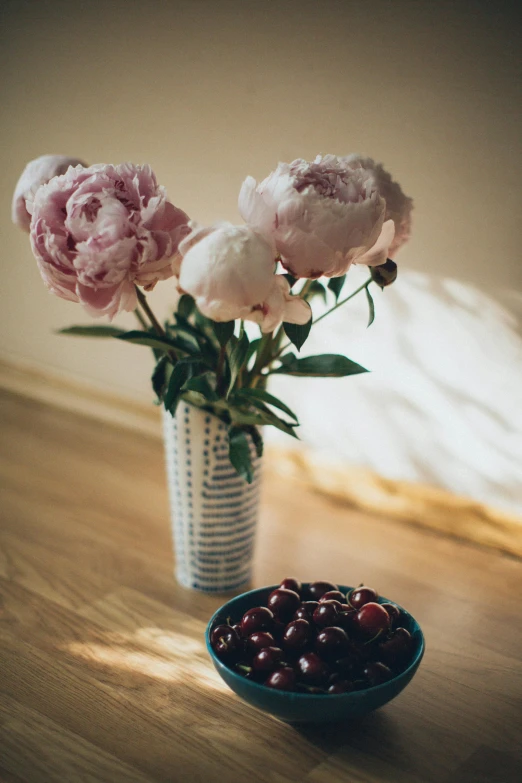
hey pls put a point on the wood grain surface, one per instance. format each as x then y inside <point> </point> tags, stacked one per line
<point>103,670</point>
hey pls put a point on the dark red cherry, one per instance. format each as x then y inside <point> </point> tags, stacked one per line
<point>333,595</point>
<point>376,673</point>
<point>258,640</point>
<point>326,614</point>
<point>257,619</point>
<point>311,669</point>
<point>227,645</point>
<point>306,610</point>
<point>283,603</point>
<point>296,635</point>
<point>347,620</point>
<point>361,595</point>
<point>282,679</point>
<point>396,649</point>
<point>372,619</point>
<point>332,643</point>
<point>267,659</point>
<point>218,631</point>
<point>317,589</point>
<point>393,611</point>
<point>342,686</point>
<point>292,584</point>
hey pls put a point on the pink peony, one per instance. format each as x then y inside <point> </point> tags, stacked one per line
<point>230,272</point>
<point>398,205</point>
<point>37,172</point>
<point>227,269</point>
<point>97,232</point>
<point>279,306</point>
<point>323,216</point>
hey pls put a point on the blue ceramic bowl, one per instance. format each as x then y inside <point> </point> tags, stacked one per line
<point>305,707</point>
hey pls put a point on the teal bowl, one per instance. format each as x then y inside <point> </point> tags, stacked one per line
<point>306,707</point>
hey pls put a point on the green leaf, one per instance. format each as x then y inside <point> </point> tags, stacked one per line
<point>257,440</point>
<point>291,279</point>
<point>164,344</point>
<point>252,348</point>
<point>183,370</point>
<point>239,453</point>
<point>264,396</point>
<point>237,351</point>
<point>316,288</point>
<point>260,417</point>
<point>159,376</point>
<point>185,307</point>
<point>297,334</point>
<point>204,384</point>
<point>223,331</point>
<point>93,331</point>
<point>336,285</point>
<point>325,365</point>
<point>371,306</point>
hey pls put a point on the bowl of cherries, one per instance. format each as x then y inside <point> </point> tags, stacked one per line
<point>314,652</point>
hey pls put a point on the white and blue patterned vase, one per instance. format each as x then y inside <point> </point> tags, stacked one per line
<point>213,510</point>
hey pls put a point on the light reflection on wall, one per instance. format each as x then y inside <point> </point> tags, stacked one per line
<point>442,403</point>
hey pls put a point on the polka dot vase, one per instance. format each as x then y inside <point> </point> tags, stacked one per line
<point>213,510</point>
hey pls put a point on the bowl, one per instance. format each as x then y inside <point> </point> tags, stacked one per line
<point>305,707</point>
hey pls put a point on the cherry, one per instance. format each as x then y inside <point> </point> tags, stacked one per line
<point>361,595</point>
<point>332,643</point>
<point>396,649</point>
<point>283,603</point>
<point>257,619</point>
<point>292,584</point>
<point>296,635</point>
<point>219,631</point>
<point>342,686</point>
<point>306,610</point>
<point>237,629</point>
<point>372,619</point>
<point>377,673</point>
<point>312,669</point>
<point>228,644</point>
<point>258,640</point>
<point>347,620</point>
<point>327,613</point>
<point>282,679</point>
<point>267,659</point>
<point>317,589</point>
<point>393,611</point>
<point>333,595</point>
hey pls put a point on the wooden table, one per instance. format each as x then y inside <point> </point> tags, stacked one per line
<point>103,670</point>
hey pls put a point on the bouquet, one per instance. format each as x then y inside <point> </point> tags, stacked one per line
<point>105,235</point>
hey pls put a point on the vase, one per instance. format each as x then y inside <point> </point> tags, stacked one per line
<point>214,511</point>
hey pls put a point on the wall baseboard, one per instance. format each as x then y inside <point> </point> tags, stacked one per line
<point>417,504</point>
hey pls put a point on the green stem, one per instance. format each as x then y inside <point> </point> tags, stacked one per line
<point>219,369</point>
<point>142,299</point>
<point>343,301</point>
<point>141,319</point>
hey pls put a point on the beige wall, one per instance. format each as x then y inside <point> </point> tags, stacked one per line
<point>208,92</point>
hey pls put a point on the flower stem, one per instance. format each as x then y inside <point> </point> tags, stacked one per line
<point>141,319</point>
<point>142,299</point>
<point>160,331</point>
<point>343,301</point>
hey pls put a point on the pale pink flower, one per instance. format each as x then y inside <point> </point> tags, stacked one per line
<point>280,306</point>
<point>227,269</point>
<point>322,216</point>
<point>97,232</point>
<point>37,172</point>
<point>398,205</point>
